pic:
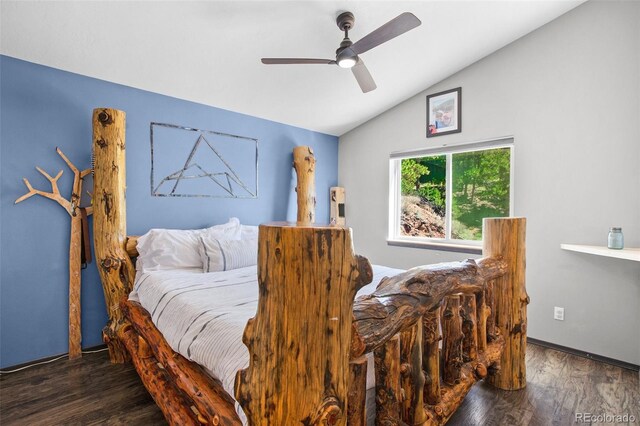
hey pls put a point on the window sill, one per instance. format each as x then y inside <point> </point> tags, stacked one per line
<point>459,248</point>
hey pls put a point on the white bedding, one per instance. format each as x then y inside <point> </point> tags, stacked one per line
<point>203,315</point>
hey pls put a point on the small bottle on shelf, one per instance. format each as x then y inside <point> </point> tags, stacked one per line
<point>616,239</point>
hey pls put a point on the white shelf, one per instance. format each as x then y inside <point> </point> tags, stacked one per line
<point>626,253</point>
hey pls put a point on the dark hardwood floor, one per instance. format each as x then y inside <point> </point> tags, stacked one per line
<point>559,386</point>
<point>92,391</point>
<point>86,391</point>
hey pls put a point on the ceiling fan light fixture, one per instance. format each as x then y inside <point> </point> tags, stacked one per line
<point>346,58</point>
<point>347,62</point>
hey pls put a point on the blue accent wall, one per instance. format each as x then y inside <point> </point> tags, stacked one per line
<point>42,108</point>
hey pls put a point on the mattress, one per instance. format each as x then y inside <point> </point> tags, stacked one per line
<point>203,315</point>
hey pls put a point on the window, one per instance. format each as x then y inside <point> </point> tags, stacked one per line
<point>440,196</point>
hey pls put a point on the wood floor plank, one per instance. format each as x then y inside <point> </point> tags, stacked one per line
<point>92,391</point>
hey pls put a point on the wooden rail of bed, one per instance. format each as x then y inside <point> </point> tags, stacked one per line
<point>433,331</point>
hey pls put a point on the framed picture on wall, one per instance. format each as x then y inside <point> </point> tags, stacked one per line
<point>444,113</point>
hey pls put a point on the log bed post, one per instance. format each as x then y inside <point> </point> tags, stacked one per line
<point>110,222</point>
<point>304,163</point>
<point>300,338</point>
<point>505,238</point>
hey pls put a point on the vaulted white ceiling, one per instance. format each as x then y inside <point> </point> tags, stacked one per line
<point>209,52</point>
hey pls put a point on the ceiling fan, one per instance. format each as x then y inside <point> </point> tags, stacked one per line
<point>347,53</point>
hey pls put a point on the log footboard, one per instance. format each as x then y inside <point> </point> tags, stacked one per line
<point>436,330</point>
<point>299,357</point>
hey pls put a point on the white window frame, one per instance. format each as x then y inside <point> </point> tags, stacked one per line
<point>395,199</point>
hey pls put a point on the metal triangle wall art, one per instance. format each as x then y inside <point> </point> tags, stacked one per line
<point>187,162</point>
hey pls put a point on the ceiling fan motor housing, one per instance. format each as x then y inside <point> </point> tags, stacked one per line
<point>343,45</point>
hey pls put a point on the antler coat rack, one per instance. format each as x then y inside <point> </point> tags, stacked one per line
<point>72,206</point>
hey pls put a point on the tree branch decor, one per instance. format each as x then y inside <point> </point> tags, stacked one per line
<point>71,206</point>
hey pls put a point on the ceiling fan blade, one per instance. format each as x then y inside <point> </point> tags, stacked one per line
<point>395,27</point>
<point>362,75</point>
<point>279,61</point>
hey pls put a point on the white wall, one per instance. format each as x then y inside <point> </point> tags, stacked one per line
<point>569,93</point>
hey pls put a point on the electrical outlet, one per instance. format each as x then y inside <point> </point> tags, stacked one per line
<point>558,313</point>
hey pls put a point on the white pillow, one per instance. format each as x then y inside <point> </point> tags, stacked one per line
<point>248,232</point>
<point>161,249</point>
<point>225,255</point>
<point>227,231</point>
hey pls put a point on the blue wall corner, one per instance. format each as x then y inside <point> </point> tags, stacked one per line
<point>42,108</point>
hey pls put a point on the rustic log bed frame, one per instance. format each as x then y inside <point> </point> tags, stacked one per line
<point>307,348</point>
